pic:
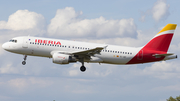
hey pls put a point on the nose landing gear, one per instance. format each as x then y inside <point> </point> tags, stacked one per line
<point>24,62</point>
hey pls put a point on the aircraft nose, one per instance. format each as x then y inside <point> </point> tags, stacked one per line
<point>5,46</point>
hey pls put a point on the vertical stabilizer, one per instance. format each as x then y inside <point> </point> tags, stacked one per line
<point>162,40</point>
<point>156,49</point>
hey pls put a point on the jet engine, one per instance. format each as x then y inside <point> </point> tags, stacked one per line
<point>63,58</point>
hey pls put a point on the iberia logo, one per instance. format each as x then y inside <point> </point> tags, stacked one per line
<point>61,57</point>
<point>47,41</point>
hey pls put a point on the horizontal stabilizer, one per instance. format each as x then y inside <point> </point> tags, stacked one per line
<point>159,55</point>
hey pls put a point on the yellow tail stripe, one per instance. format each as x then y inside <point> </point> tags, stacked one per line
<point>168,27</point>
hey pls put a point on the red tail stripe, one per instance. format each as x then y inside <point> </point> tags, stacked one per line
<point>160,43</point>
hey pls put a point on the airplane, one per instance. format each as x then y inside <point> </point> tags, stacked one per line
<point>65,51</point>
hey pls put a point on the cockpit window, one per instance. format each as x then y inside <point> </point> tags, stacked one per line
<point>12,40</point>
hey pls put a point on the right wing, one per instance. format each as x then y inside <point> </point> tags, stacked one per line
<point>83,53</point>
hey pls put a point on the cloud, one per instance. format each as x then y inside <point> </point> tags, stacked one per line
<point>141,39</point>
<point>163,70</point>
<point>21,85</point>
<point>67,23</point>
<point>40,76</point>
<point>8,69</point>
<point>1,50</point>
<point>21,23</point>
<point>160,11</point>
<point>23,20</point>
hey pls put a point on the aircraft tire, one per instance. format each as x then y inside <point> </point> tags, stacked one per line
<point>83,68</point>
<point>24,62</point>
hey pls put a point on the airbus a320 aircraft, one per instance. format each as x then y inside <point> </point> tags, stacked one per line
<point>65,52</point>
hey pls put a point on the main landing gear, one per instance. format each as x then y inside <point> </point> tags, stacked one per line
<point>82,68</point>
<point>24,62</point>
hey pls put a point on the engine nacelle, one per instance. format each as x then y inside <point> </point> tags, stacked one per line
<point>63,58</point>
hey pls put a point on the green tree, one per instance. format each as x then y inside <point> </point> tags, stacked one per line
<point>174,99</point>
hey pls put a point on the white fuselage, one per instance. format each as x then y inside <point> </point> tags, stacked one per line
<point>65,51</point>
<point>44,47</point>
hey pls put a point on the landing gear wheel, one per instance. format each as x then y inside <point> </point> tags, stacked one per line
<point>83,68</point>
<point>24,62</point>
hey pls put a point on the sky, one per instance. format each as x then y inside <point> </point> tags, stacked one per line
<point>119,22</point>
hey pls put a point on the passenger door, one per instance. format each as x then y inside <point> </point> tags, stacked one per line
<point>25,42</point>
